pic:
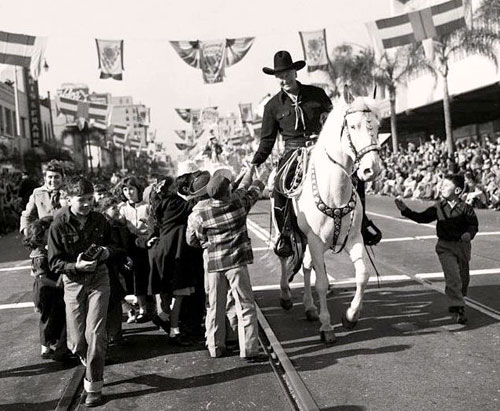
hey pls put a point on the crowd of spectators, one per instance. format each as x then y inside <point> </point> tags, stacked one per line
<point>417,171</point>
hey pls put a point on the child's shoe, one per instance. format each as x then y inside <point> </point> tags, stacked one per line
<point>131,317</point>
<point>460,316</point>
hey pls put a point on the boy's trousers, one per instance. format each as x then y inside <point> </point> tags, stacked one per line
<point>454,257</point>
<point>237,281</point>
<point>86,309</point>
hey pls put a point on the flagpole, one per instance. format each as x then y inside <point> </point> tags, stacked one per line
<point>123,159</point>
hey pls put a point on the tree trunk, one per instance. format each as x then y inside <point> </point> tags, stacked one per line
<point>450,144</point>
<point>394,131</point>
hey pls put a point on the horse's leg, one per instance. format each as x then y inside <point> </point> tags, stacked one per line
<point>356,254</point>
<point>310,309</point>
<point>317,253</point>
<point>286,295</point>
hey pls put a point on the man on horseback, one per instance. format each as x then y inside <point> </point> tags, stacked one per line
<point>297,112</point>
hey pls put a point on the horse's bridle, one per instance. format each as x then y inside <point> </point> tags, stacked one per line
<point>358,155</point>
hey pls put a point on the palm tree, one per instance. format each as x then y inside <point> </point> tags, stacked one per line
<point>480,40</point>
<point>362,70</point>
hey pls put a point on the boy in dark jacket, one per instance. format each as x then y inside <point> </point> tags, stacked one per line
<point>78,249</point>
<point>456,226</point>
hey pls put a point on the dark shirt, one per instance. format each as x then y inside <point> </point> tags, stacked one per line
<point>279,116</point>
<point>451,222</point>
<point>67,239</point>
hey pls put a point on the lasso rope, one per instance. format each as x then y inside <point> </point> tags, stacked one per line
<point>301,155</point>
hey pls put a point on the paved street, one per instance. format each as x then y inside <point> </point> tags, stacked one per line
<point>404,354</point>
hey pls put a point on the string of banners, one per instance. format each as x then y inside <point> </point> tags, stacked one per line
<point>212,57</point>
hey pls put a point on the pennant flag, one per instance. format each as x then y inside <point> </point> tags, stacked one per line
<point>110,55</point>
<point>181,133</point>
<point>209,116</point>
<point>22,50</point>
<point>315,50</point>
<point>120,134</point>
<point>213,56</point>
<point>417,25</point>
<point>86,110</point>
<point>184,113</point>
<point>246,112</point>
<point>135,143</point>
<point>183,147</point>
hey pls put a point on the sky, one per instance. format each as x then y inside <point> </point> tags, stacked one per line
<point>154,74</point>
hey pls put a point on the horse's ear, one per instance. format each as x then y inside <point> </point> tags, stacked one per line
<point>375,92</point>
<point>348,97</point>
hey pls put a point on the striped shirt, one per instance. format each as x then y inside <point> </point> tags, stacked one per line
<point>222,227</point>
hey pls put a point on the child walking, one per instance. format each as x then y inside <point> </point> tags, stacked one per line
<point>78,249</point>
<point>456,226</point>
<point>47,292</point>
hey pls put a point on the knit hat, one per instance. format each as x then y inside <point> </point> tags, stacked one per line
<point>218,187</point>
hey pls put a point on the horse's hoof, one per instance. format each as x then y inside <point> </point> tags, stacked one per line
<point>312,314</point>
<point>328,337</point>
<point>348,325</point>
<point>286,304</point>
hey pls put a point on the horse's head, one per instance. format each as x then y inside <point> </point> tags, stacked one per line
<point>359,136</point>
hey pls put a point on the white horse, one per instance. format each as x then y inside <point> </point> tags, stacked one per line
<point>328,209</point>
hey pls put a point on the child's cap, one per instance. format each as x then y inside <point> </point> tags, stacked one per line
<point>218,187</point>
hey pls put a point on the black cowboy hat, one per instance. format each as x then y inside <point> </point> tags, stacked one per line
<point>282,62</point>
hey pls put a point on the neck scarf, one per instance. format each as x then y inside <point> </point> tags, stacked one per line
<point>299,113</point>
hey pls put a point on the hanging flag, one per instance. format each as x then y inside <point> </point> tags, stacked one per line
<point>415,26</point>
<point>120,134</point>
<point>213,56</point>
<point>183,147</point>
<point>86,110</point>
<point>198,132</point>
<point>246,112</point>
<point>184,113</point>
<point>23,50</point>
<point>209,117</point>
<point>110,55</point>
<point>181,133</point>
<point>315,49</point>
<point>135,143</point>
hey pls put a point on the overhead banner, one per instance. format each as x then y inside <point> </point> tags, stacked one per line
<point>315,49</point>
<point>86,110</point>
<point>209,117</point>
<point>22,50</point>
<point>246,112</point>
<point>110,55</point>
<point>184,113</point>
<point>415,26</point>
<point>213,56</point>
<point>181,133</point>
<point>184,147</point>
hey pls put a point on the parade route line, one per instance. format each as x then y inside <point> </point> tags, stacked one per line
<point>261,233</point>
<point>430,237</point>
<point>20,267</point>
<point>402,220</point>
<point>16,305</point>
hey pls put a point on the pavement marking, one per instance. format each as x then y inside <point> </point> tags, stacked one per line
<point>16,305</point>
<point>472,272</point>
<point>20,267</point>
<point>261,248</point>
<point>429,237</point>
<point>403,220</point>
<point>261,233</point>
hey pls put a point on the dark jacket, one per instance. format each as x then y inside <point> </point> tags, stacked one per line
<point>67,240</point>
<point>279,116</point>
<point>451,222</point>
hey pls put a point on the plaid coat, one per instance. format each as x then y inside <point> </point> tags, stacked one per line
<point>221,226</point>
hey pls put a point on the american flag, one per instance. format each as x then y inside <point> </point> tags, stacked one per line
<point>83,109</point>
<point>22,50</point>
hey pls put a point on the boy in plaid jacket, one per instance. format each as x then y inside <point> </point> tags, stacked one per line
<point>221,229</point>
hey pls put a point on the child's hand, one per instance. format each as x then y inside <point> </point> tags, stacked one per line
<point>85,266</point>
<point>466,237</point>
<point>400,204</point>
